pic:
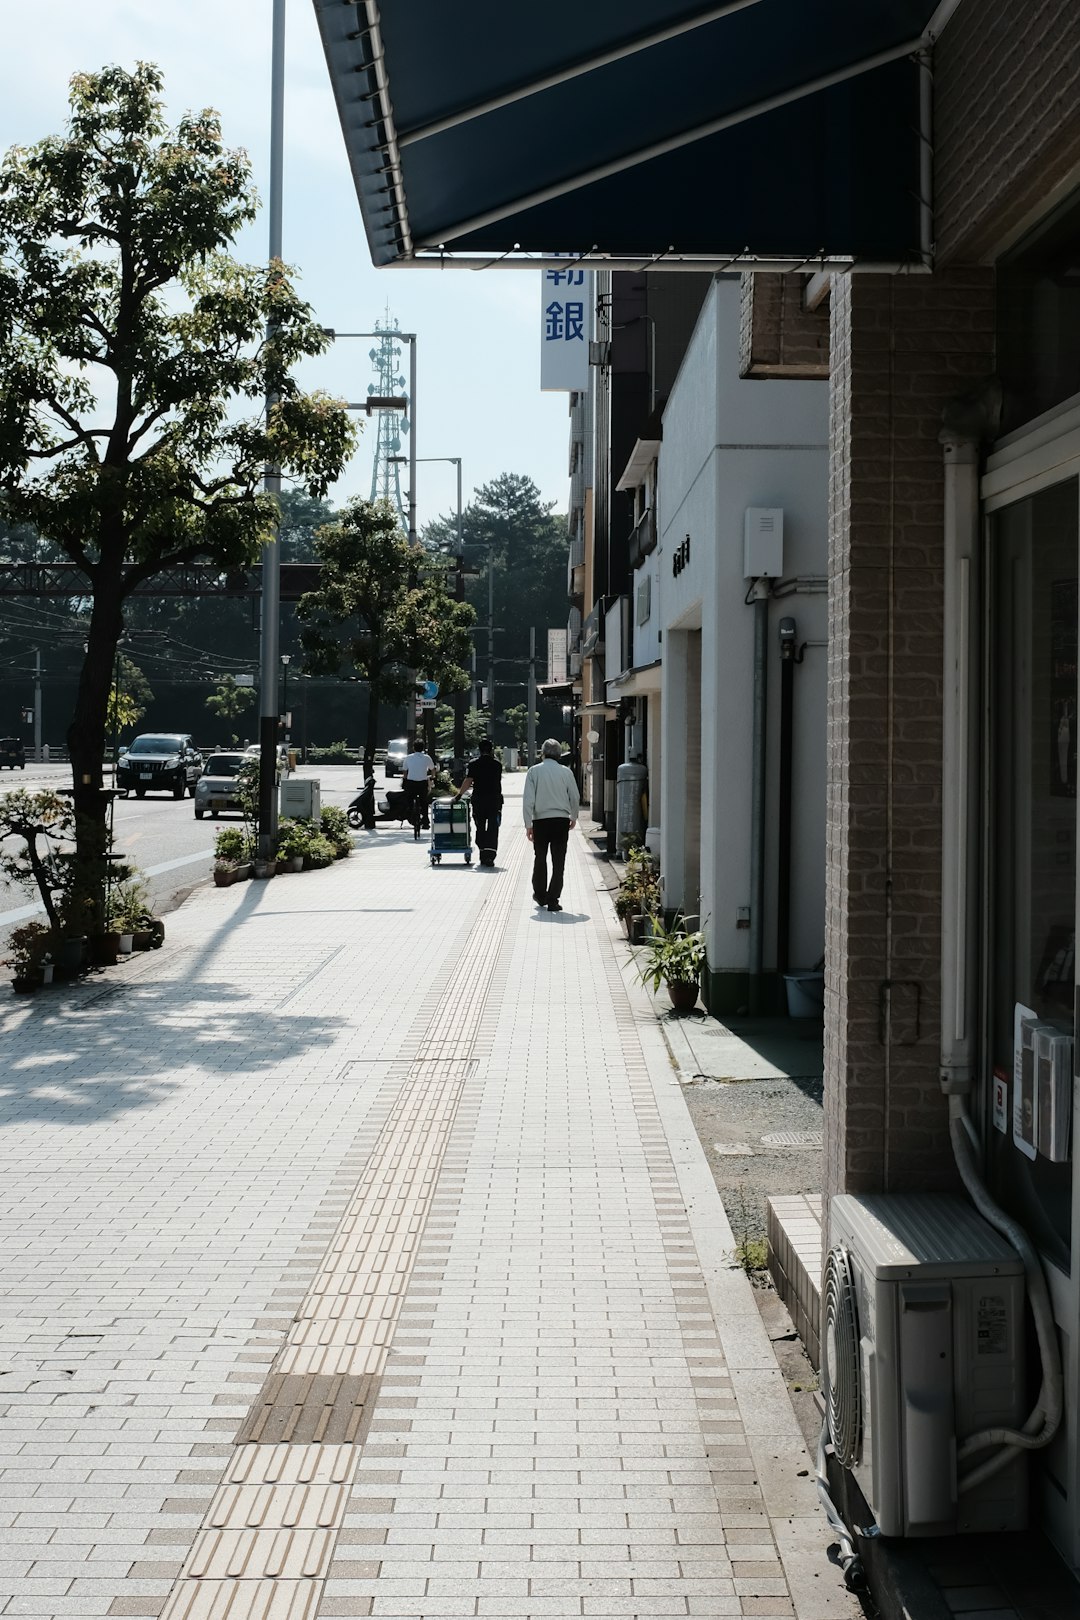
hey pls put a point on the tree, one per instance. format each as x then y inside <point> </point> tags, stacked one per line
<point>381,609</point>
<point>230,701</point>
<point>517,718</point>
<point>528,541</point>
<point>131,345</point>
<point>129,697</point>
<point>476,728</point>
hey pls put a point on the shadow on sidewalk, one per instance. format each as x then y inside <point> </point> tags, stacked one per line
<point>89,1058</point>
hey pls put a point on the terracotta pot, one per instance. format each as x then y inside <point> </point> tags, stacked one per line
<point>683,996</point>
<point>224,879</point>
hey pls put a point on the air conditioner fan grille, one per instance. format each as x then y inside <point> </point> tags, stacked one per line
<point>842,1358</point>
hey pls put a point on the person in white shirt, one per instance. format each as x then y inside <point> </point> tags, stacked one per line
<point>550,807</point>
<point>418,772</point>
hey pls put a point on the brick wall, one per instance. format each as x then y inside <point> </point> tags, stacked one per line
<point>901,346</point>
<point>1006,119</point>
<point>777,336</point>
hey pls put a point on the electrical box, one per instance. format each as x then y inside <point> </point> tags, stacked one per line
<point>300,799</point>
<point>763,542</point>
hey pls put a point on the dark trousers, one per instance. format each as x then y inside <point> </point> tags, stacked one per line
<point>486,822</point>
<point>416,798</point>
<point>551,833</point>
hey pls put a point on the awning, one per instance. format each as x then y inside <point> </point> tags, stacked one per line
<point>642,681</point>
<point>619,132</point>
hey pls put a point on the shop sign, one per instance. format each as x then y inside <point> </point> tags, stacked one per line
<point>681,558</point>
<point>566,305</point>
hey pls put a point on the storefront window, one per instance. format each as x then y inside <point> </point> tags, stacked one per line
<point>1033,777</point>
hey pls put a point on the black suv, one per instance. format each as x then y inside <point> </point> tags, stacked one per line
<point>160,763</point>
<point>12,752</point>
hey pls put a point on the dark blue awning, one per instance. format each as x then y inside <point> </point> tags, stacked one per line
<point>626,131</point>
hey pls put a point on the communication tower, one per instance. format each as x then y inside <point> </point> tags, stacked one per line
<point>390,425</point>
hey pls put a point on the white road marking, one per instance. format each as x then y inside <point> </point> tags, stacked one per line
<point>23,912</point>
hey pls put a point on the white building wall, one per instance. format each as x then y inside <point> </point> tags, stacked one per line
<point>730,444</point>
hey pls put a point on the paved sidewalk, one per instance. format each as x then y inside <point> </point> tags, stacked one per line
<point>358,1257</point>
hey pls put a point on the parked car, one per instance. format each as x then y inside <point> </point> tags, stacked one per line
<point>12,752</point>
<point>218,788</point>
<point>159,762</point>
<point>396,750</point>
<point>255,752</point>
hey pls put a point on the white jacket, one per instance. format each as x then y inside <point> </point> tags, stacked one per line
<point>550,790</point>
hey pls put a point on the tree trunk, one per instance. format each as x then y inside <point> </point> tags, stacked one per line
<point>86,747</point>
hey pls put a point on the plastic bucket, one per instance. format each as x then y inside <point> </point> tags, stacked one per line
<point>805,994</point>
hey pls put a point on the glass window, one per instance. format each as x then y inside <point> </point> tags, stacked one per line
<point>1033,752</point>
<point>1038,318</point>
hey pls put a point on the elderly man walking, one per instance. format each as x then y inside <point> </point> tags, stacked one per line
<point>550,808</point>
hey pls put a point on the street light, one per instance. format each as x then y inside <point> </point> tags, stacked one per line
<point>459,585</point>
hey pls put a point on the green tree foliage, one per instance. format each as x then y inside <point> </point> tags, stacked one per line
<point>517,718</point>
<point>129,697</point>
<point>475,728</point>
<point>383,611</point>
<point>229,701</point>
<point>528,541</point>
<point>135,359</point>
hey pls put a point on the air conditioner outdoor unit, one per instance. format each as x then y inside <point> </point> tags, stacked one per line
<point>923,1308</point>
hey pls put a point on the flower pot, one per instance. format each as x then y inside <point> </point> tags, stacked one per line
<point>47,973</point>
<point>126,943</point>
<point>294,863</point>
<point>142,939</point>
<point>25,984</point>
<point>637,927</point>
<point>281,865</point>
<point>265,869</point>
<point>241,873</point>
<point>683,996</point>
<point>104,949</point>
<point>71,954</point>
<point>224,877</point>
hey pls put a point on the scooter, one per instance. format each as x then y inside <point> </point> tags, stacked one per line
<point>361,812</point>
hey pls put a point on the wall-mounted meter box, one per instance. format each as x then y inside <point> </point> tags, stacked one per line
<point>763,542</point>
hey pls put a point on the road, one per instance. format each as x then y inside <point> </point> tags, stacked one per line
<point>159,835</point>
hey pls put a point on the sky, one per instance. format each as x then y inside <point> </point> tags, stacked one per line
<point>478,394</point>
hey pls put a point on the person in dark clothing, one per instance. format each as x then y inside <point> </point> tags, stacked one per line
<point>483,780</point>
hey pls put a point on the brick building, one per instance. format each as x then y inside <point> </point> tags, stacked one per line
<point>926,167</point>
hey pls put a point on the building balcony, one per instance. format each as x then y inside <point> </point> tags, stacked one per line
<point>592,635</point>
<point>642,538</point>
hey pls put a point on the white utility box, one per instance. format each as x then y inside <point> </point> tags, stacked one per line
<point>763,542</point>
<point>300,799</point>
<point>923,1346</point>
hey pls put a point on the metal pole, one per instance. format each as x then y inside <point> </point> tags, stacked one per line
<point>37,708</point>
<point>271,575</point>
<point>530,734</point>
<point>491,644</point>
<point>459,596</point>
<point>412,441</point>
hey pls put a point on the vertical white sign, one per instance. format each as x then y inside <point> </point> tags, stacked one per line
<point>556,656</point>
<point>566,309</point>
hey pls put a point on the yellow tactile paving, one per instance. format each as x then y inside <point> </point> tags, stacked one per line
<point>269,1554</point>
<point>243,1600</point>
<point>277,1504</point>
<point>292,1464</point>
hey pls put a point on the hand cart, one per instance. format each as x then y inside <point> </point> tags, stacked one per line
<point>451,830</point>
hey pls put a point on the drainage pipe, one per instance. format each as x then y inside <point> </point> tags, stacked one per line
<point>788,661</point>
<point>759,595</point>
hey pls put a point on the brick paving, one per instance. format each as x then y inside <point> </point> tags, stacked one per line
<point>358,1258</point>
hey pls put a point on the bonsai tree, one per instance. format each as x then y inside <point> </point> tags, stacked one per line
<point>136,360</point>
<point>41,822</point>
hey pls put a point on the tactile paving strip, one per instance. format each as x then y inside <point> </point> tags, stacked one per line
<point>269,1534</point>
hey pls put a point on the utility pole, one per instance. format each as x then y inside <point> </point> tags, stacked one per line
<point>37,707</point>
<point>530,745</point>
<point>459,596</point>
<point>491,644</point>
<point>270,616</point>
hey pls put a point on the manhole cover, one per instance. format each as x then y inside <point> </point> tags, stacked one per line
<point>792,1139</point>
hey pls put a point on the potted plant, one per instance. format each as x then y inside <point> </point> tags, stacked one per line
<point>293,840</point>
<point>320,851</point>
<point>127,912</point>
<point>30,946</point>
<point>675,958</point>
<point>232,856</point>
<point>637,899</point>
<point>334,827</point>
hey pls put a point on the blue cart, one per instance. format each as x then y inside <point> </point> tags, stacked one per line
<point>451,830</point>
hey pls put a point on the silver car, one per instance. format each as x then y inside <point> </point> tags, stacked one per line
<point>218,789</point>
